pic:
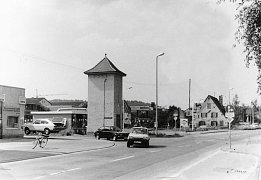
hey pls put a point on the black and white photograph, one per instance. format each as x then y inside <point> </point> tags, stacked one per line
<point>130,89</point>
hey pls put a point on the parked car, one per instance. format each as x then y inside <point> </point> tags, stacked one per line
<point>253,126</point>
<point>138,135</point>
<point>111,132</point>
<point>203,128</point>
<point>39,125</point>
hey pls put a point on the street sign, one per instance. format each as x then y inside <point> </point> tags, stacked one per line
<point>230,119</point>
<point>155,124</point>
<point>2,97</point>
<point>184,122</point>
<point>230,112</point>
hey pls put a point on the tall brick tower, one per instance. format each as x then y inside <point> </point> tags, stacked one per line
<point>104,95</point>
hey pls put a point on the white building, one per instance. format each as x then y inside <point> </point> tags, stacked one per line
<point>12,106</point>
<point>105,105</point>
<point>211,113</point>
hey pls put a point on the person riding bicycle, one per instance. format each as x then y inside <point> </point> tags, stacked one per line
<point>42,135</point>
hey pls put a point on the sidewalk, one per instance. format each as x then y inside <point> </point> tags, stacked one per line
<point>21,149</point>
<point>242,161</point>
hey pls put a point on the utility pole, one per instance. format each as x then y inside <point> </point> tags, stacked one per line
<point>189,92</point>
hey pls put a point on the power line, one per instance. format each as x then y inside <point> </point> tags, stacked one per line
<point>30,57</point>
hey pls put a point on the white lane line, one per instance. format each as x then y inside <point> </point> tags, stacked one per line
<point>153,151</point>
<point>64,171</point>
<point>73,169</point>
<point>39,177</point>
<point>183,145</point>
<point>52,174</point>
<point>123,158</point>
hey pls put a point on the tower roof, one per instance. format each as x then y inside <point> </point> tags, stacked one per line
<point>105,66</point>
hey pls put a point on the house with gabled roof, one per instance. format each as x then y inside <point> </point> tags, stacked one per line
<point>211,113</point>
<point>105,105</point>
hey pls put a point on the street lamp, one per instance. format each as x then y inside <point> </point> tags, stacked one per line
<point>161,54</point>
<point>104,102</point>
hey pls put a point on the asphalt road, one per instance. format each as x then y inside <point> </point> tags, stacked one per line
<point>165,157</point>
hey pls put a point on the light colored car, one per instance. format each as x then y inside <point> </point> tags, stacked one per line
<point>39,125</point>
<point>138,135</point>
<point>203,128</point>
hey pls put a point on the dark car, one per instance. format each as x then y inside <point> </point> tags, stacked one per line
<point>110,132</point>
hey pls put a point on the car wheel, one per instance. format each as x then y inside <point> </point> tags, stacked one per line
<point>147,144</point>
<point>27,131</point>
<point>46,131</point>
<point>114,138</point>
<point>97,137</point>
<point>128,144</point>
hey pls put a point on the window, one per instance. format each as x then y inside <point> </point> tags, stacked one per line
<point>204,115</point>
<point>209,105</point>
<point>37,122</point>
<point>44,122</point>
<point>214,115</point>
<point>12,122</point>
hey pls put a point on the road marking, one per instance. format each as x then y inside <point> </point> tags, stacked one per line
<point>184,146</point>
<point>73,169</point>
<point>153,151</point>
<point>39,177</point>
<point>64,171</point>
<point>52,174</point>
<point>59,172</point>
<point>123,158</point>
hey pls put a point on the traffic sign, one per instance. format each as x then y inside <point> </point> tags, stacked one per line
<point>155,124</point>
<point>230,119</point>
<point>175,118</point>
<point>230,111</point>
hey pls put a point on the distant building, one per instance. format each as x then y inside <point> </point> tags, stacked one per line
<point>35,104</point>
<point>105,105</point>
<point>12,106</point>
<point>211,113</point>
<point>57,104</point>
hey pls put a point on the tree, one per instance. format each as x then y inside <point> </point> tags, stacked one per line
<point>249,32</point>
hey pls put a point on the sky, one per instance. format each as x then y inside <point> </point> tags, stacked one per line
<point>46,45</point>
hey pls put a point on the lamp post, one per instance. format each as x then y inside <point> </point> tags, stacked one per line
<point>229,95</point>
<point>161,54</point>
<point>104,102</point>
<point>192,116</point>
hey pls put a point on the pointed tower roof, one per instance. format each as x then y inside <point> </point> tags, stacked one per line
<point>105,66</point>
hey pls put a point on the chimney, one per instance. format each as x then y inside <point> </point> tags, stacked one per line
<point>221,100</point>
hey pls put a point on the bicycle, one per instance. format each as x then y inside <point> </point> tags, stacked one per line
<point>41,140</point>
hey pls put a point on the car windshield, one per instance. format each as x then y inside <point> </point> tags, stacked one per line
<point>139,131</point>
